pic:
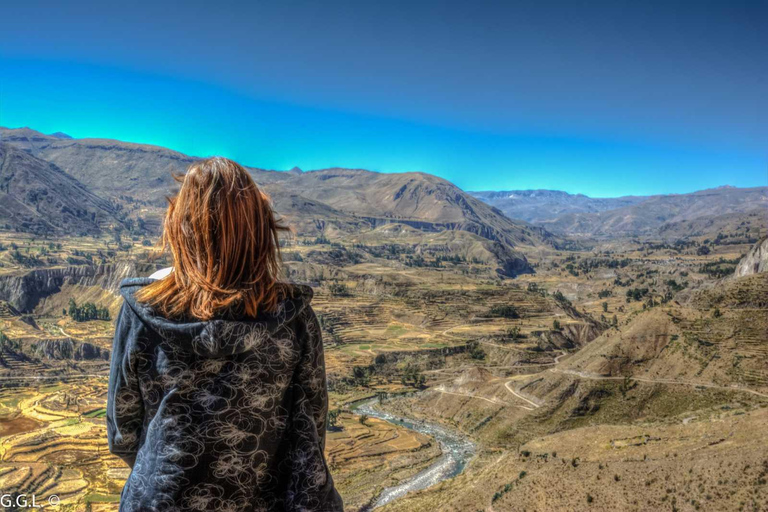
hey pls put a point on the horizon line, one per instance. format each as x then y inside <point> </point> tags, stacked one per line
<point>58,135</point>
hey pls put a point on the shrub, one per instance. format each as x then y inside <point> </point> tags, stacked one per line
<point>338,290</point>
<point>333,419</point>
<point>503,311</point>
<point>476,351</point>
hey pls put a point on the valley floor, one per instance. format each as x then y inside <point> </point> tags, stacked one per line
<point>586,386</point>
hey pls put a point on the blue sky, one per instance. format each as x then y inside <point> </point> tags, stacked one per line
<point>602,98</point>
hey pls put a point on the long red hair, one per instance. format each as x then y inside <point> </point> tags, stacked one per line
<point>223,235</point>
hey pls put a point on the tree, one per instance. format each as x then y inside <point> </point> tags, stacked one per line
<point>363,419</point>
<point>338,290</point>
<point>556,325</point>
<point>605,307</point>
<point>476,351</point>
<point>625,386</point>
<point>412,377</point>
<point>72,308</point>
<point>86,312</point>
<point>361,375</point>
<point>333,419</point>
<point>503,311</point>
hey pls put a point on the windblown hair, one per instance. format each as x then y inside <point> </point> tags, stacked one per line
<point>223,235</point>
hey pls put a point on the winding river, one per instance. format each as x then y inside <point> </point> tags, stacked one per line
<point>457,451</point>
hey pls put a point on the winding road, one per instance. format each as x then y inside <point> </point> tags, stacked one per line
<point>591,376</point>
<point>521,397</point>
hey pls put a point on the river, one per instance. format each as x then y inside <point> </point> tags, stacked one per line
<point>457,451</point>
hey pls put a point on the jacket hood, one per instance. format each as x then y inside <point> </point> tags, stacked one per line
<point>217,337</point>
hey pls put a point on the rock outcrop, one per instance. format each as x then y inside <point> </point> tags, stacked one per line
<point>755,261</point>
<point>67,348</point>
<point>24,291</point>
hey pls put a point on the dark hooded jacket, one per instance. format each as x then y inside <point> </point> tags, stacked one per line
<point>221,415</point>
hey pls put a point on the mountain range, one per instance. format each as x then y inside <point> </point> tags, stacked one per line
<point>140,173</point>
<point>137,177</point>
<point>672,215</point>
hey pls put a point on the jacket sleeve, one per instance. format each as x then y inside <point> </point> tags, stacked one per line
<point>314,488</point>
<point>312,373</point>
<point>125,407</point>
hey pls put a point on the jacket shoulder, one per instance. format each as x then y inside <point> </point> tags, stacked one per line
<point>300,291</point>
<point>130,285</point>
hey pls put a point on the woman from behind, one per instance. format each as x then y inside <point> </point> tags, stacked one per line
<point>217,393</point>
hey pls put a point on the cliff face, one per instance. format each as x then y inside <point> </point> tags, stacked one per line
<point>755,261</point>
<point>67,348</point>
<point>24,291</point>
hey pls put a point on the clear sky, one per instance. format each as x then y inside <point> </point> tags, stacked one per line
<point>599,97</point>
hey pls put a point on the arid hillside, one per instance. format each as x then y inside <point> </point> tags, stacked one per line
<point>37,196</point>
<point>674,216</point>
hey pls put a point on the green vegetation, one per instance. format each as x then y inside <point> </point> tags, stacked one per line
<point>96,413</point>
<point>503,311</point>
<point>476,351</point>
<point>720,268</point>
<point>412,377</point>
<point>338,290</point>
<point>333,419</point>
<point>636,294</point>
<point>86,312</point>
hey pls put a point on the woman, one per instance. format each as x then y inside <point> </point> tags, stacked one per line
<point>217,392</point>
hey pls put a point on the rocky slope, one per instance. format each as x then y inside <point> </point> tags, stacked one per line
<point>755,261</point>
<point>417,199</point>
<point>37,196</point>
<point>108,168</point>
<point>67,348</point>
<point>23,291</point>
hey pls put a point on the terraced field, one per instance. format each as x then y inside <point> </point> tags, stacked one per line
<point>535,370</point>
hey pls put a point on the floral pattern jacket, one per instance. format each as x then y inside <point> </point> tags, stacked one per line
<point>221,415</point>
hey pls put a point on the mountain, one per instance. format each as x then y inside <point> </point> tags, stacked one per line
<point>650,216</point>
<point>416,199</point>
<point>37,196</point>
<point>108,168</point>
<point>140,172</point>
<point>700,213</point>
<point>741,227</point>
<point>547,205</point>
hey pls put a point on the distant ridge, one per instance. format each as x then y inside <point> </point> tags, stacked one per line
<point>546,205</point>
<point>661,215</point>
